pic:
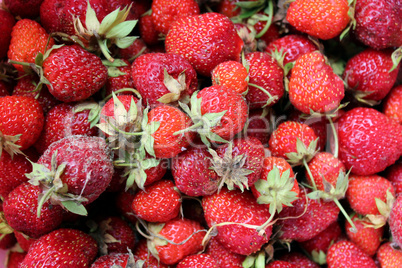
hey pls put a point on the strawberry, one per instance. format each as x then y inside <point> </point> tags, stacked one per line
<point>372,30</point>
<point>28,38</point>
<point>117,260</point>
<point>238,208</point>
<point>393,103</point>
<point>7,23</point>
<point>259,124</point>
<point>192,174</point>
<point>123,202</point>
<point>163,78</point>
<point>297,258</point>
<point>228,8</point>
<point>70,248</point>
<point>364,190</point>
<point>148,31</point>
<point>395,222</point>
<point>367,74</point>
<point>165,12</point>
<point>6,240</point>
<point>62,121</point>
<point>367,238</point>
<point>24,241</point>
<point>345,254</point>
<point>119,77</point>
<point>224,257</point>
<point>320,19</point>
<point>26,126</point>
<point>362,135</point>
<point>265,80</point>
<point>137,48</point>
<point>142,252</point>
<point>24,8</point>
<point>158,202</point>
<point>306,218</point>
<point>394,175</point>
<point>231,74</point>
<point>313,85</point>
<point>280,264</point>
<point>293,46</point>
<point>74,73</point>
<point>388,256</point>
<point>199,260</point>
<point>20,211</point>
<point>14,259</point>
<point>213,29</point>
<point>185,234</point>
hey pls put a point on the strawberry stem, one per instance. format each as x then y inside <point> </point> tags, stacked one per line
<point>191,128</point>
<point>336,145</point>
<point>310,174</point>
<point>43,199</point>
<point>353,229</point>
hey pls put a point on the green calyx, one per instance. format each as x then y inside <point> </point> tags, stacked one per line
<point>352,23</point>
<point>94,111</point>
<point>8,143</point>
<point>113,67</point>
<point>255,260</point>
<point>276,190</point>
<point>4,227</point>
<point>396,58</point>
<point>230,169</point>
<point>384,208</point>
<point>53,188</point>
<point>113,30</point>
<point>202,124</point>
<point>319,257</point>
<point>279,56</point>
<point>302,153</point>
<point>330,192</point>
<point>249,8</point>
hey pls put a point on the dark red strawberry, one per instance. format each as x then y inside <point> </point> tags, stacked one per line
<point>117,260</point>
<point>213,29</point>
<point>198,260</point>
<point>24,8</point>
<point>259,124</point>
<point>123,202</point>
<point>228,8</point>
<point>345,254</point>
<point>388,256</point>
<point>14,258</point>
<point>225,257</point>
<point>24,241</point>
<point>395,224</point>
<point>394,175</point>
<point>392,106</point>
<point>143,253</point>
<point>119,77</point>
<point>69,248</point>
<point>7,23</point>
<point>137,48</point>
<point>299,259</point>
<point>280,264</point>
<point>148,31</point>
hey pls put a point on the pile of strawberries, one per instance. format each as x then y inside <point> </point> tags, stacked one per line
<point>214,133</point>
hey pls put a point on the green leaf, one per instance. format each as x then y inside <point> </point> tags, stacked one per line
<point>122,30</point>
<point>108,22</point>
<point>75,207</point>
<point>91,20</point>
<point>125,42</point>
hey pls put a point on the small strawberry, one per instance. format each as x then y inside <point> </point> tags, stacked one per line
<point>213,29</point>
<point>23,131</point>
<point>158,202</point>
<point>395,224</point>
<point>367,74</point>
<point>362,135</point>
<point>231,74</point>
<point>7,23</point>
<point>392,106</point>
<point>345,254</point>
<point>237,208</point>
<point>69,248</point>
<point>165,12</point>
<point>320,19</point>
<point>388,256</point>
<point>24,8</point>
<point>313,85</point>
<point>148,31</point>
<point>265,80</point>
<point>198,260</point>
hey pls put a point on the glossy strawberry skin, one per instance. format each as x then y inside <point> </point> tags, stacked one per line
<point>124,80</point>
<point>345,254</point>
<point>198,260</point>
<point>297,258</point>
<point>392,106</point>
<point>70,248</point>
<point>7,23</point>
<point>74,73</point>
<point>28,119</point>
<point>320,19</point>
<point>110,260</point>
<point>225,257</point>
<point>231,74</point>
<point>313,85</point>
<point>121,231</point>
<point>362,133</point>
<point>280,264</point>
<point>24,8</point>
<point>148,31</point>
<point>395,221</point>
<point>394,175</point>
<point>240,207</point>
<point>389,257</point>
<point>323,240</point>
<point>216,42</point>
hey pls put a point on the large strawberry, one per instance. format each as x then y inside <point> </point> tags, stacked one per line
<point>7,23</point>
<point>213,29</point>
<point>313,85</point>
<point>320,19</point>
<point>26,126</point>
<point>346,254</point>
<point>368,140</point>
<point>236,209</point>
<point>70,248</point>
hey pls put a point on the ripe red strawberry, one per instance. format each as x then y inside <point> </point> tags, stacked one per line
<point>363,190</point>
<point>24,8</point>
<point>345,254</point>
<point>213,29</point>
<point>395,223</point>
<point>158,202</point>
<point>6,27</point>
<point>24,241</point>
<point>297,258</point>
<point>163,78</point>
<point>26,126</point>
<point>362,135</point>
<point>293,46</point>
<point>265,80</point>
<point>367,238</point>
<point>266,36</point>
<point>165,12</point>
<point>69,248</point>
<point>320,19</point>
<point>394,175</point>
<point>313,85</point>
<point>280,264</point>
<point>117,260</point>
<point>137,48</point>
<point>259,124</point>
<point>388,256</point>
<point>119,77</point>
<point>237,207</point>
<point>142,252</point>
<point>198,260</point>
<point>372,29</point>
<point>62,121</point>
<point>392,106</point>
<point>231,74</point>
<point>123,202</point>
<point>367,74</point>
<point>225,258</point>
<point>186,234</point>
<point>20,211</point>
<point>14,259</point>
<point>28,38</point>
<point>148,31</point>
<point>308,218</point>
<point>192,174</point>
<point>228,8</point>
<point>74,73</point>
